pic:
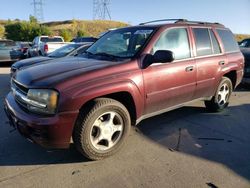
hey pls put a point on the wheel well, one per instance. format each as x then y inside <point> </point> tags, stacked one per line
<point>232,76</point>
<point>123,97</point>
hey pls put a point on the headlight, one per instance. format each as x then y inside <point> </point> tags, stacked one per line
<point>42,100</point>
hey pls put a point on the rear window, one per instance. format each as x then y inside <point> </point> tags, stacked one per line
<point>7,44</point>
<point>228,40</point>
<point>54,39</point>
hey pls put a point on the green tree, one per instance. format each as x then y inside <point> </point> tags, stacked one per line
<point>25,31</point>
<point>66,34</point>
<point>33,19</point>
<point>2,31</point>
<point>80,33</point>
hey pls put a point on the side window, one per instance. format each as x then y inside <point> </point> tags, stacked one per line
<point>202,41</point>
<point>216,46</point>
<point>228,40</point>
<point>175,40</point>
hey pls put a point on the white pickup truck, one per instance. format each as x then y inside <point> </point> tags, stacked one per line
<point>42,45</point>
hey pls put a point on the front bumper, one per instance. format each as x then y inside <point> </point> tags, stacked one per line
<point>49,132</point>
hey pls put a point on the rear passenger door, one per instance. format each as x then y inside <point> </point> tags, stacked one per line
<point>209,61</point>
<point>170,84</point>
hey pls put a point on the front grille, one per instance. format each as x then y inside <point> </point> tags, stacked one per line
<point>17,87</point>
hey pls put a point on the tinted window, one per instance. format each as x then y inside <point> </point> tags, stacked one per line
<point>63,51</point>
<point>175,40</point>
<point>7,45</point>
<point>202,41</point>
<point>228,40</point>
<point>216,46</point>
<point>47,39</point>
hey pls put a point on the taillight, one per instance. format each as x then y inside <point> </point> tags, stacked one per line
<point>46,48</point>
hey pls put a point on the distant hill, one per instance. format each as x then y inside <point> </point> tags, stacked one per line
<point>72,28</point>
<point>88,27</point>
<point>240,37</point>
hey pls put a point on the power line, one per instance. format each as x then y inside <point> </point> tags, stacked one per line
<point>38,9</point>
<point>101,9</point>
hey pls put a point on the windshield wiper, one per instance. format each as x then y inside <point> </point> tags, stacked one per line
<point>107,55</point>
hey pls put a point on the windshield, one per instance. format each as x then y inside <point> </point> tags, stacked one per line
<point>245,43</point>
<point>123,43</point>
<point>63,51</point>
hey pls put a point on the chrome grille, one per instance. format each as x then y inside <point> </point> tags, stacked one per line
<point>18,89</point>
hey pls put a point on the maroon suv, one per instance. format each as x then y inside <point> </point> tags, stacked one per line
<point>128,75</point>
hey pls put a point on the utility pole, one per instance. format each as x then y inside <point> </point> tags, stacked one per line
<point>101,10</point>
<point>38,10</point>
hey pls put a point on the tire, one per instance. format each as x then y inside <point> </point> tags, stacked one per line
<point>221,98</point>
<point>101,128</point>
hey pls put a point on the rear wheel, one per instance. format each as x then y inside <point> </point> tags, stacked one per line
<point>101,128</point>
<point>221,98</point>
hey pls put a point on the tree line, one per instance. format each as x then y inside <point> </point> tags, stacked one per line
<point>27,30</point>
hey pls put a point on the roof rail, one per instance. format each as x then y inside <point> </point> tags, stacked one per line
<point>198,22</point>
<point>180,21</point>
<point>164,20</point>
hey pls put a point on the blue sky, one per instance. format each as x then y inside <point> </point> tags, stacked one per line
<point>232,13</point>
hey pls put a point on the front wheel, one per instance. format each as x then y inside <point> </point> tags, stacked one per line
<point>101,128</point>
<point>221,98</point>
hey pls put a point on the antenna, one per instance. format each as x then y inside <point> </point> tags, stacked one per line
<point>101,9</point>
<point>38,9</point>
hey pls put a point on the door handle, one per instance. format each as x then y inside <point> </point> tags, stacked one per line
<point>189,69</point>
<point>222,63</point>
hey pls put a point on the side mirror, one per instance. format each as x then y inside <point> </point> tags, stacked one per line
<point>160,56</point>
<point>163,56</point>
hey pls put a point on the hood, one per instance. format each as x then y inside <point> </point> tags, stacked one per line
<point>31,61</point>
<point>47,74</point>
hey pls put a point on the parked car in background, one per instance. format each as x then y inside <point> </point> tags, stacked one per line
<point>9,51</point>
<point>67,50</point>
<point>246,77</point>
<point>42,45</point>
<point>84,39</point>
<point>127,75</point>
<point>23,47</point>
<point>245,43</point>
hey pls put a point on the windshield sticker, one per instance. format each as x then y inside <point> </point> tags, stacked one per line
<point>141,32</point>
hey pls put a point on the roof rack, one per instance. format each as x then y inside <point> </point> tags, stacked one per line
<point>164,20</point>
<point>198,22</point>
<point>180,21</point>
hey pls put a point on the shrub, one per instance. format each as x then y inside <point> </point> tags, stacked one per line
<point>66,34</point>
<point>25,31</point>
<point>2,31</point>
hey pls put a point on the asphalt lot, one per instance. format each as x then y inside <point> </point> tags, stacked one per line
<point>188,147</point>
